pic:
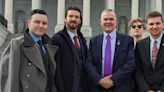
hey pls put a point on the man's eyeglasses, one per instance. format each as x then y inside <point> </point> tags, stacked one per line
<point>138,26</point>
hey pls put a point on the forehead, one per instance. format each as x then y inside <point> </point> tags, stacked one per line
<point>39,17</point>
<point>136,23</point>
<point>73,12</point>
<point>108,14</point>
<point>154,20</point>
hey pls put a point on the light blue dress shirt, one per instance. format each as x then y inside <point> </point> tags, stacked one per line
<point>152,43</point>
<point>72,35</point>
<point>113,43</point>
<point>35,39</point>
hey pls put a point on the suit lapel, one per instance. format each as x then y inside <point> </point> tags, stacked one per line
<point>99,47</point>
<point>117,47</point>
<point>161,50</point>
<point>33,54</point>
<point>145,49</point>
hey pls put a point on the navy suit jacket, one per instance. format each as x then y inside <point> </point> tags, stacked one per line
<point>123,64</point>
<point>70,75</point>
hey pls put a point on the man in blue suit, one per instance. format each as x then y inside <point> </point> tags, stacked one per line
<point>119,55</point>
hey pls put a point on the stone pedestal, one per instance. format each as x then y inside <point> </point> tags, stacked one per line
<point>87,32</point>
<point>59,27</point>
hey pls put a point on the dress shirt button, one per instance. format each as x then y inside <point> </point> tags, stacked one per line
<point>29,63</point>
<point>26,87</point>
<point>28,75</point>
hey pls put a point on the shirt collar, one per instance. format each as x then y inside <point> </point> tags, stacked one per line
<point>112,34</point>
<point>158,39</point>
<point>71,34</point>
<point>34,37</point>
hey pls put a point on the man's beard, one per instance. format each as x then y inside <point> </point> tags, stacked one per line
<point>72,26</point>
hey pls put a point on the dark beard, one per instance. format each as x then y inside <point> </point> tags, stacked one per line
<point>72,27</point>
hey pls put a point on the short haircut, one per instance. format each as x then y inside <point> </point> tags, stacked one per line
<point>154,14</point>
<point>38,11</point>
<point>108,10</point>
<point>72,8</point>
<point>135,21</point>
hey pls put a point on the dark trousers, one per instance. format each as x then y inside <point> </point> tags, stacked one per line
<point>107,90</point>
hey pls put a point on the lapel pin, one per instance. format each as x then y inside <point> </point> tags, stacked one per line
<point>162,44</point>
<point>118,42</point>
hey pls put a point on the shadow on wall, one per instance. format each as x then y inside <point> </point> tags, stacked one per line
<point>20,23</point>
<point>3,21</point>
<point>123,25</point>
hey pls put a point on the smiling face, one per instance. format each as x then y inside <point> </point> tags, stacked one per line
<point>72,20</point>
<point>108,21</point>
<point>38,24</point>
<point>154,26</point>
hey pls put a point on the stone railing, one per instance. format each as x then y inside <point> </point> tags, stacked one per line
<point>3,34</point>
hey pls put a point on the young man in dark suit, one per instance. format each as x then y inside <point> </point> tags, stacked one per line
<point>111,60</point>
<point>71,57</point>
<point>149,52</point>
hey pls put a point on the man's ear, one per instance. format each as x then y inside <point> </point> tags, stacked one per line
<point>28,22</point>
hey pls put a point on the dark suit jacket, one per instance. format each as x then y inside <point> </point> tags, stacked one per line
<point>70,74</point>
<point>123,64</point>
<point>147,77</point>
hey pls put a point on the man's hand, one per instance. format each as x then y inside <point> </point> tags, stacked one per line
<point>106,82</point>
<point>159,91</point>
<point>150,91</point>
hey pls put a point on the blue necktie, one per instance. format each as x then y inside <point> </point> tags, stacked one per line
<point>107,61</point>
<point>41,48</point>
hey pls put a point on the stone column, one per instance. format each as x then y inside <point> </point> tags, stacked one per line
<point>86,28</point>
<point>110,4</point>
<point>158,5</point>
<point>60,15</point>
<point>152,5</point>
<point>9,15</point>
<point>37,4</point>
<point>135,9</point>
<point>1,6</point>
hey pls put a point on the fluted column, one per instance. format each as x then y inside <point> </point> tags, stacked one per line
<point>9,15</point>
<point>60,15</point>
<point>135,9</point>
<point>37,4</point>
<point>110,4</point>
<point>158,5</point>
<point>1,6</point>
<point>86,28</point>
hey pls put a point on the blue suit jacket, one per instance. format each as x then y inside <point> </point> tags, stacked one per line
<point>123,64</point>
<point>70,75</point>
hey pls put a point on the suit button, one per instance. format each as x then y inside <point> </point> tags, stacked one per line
<point>29,64</point>
<point>28,75</point>
<point>26,87</point>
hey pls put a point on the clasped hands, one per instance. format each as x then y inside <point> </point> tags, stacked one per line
<point>154,91</point>
<point>106,82</point>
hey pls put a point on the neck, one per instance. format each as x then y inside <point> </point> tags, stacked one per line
<point>72,30</point>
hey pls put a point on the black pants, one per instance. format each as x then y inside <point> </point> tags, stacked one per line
<point>107,90</point>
